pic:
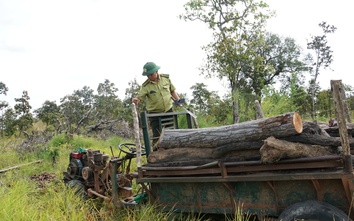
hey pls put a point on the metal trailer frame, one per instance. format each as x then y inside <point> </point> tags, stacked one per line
<point>262,189</point>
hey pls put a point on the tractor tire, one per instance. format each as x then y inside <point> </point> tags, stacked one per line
<point>79,188</point>
<point>313,210</point>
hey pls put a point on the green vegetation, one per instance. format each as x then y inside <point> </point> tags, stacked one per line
<point>250,59</point>
<point>37,191</point>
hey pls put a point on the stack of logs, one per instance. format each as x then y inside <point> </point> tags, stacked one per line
<point>268,140</point>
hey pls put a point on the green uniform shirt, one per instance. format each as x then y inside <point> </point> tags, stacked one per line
<point>157,94</point>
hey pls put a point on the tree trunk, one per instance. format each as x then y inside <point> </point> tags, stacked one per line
<point>274,150</point>
<point>198,156</point>
<point>237,146</point>
<point>256,130</point>
<point>259,112</point>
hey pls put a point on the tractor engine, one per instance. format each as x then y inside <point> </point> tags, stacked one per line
<point>92,170</point>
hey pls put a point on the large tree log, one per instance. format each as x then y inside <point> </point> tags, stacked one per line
<point>197,156</point>
<point>312,134</point>
<point>274,150</point>
<point>223,150</point>
<point>180,154</point>
<point>278,126</point>
<point>316,139</point>
<point>317,134</point>
<point>333,130</point>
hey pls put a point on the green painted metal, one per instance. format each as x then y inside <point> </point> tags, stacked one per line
<point>260,197</point>
<point>162,118</point>
<point>267,192</point>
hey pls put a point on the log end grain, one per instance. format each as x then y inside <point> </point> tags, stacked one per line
<point>297,122</point>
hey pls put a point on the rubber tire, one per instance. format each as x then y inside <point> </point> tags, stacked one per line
<point>79,188</point>
<point>313,210</point>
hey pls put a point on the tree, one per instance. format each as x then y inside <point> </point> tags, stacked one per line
<point>219,108</point>
<point>87,98</point>
<point>233,23</point>
<point>3,88</point>
<point>49,113</point>
<point>296,94</point>
<point>324,104</point>
<point>131,92</point>
<point>201,97</point>
<point>274,58</point>
<point>3,106</point>
<point>86,95</point>
<point>350,98</point>
<point>22,109</point>
<point>323,57</point>
<point>9,122</point>
<point>72,110</point>
<point>107,104</point>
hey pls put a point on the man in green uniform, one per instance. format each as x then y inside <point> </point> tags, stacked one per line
<point>159,93</point>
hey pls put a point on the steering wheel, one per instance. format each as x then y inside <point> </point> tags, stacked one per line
<point>130,149</point>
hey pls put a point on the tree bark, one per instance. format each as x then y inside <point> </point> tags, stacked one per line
<point>197,156</point>
<point>180,154</point>
<point>222,150</point>
<point>259,111</point>
<point>274,150</point>
<point>256,130</point>
<point>334,130</point>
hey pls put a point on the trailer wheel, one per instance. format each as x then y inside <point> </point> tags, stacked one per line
<point>313,210</point>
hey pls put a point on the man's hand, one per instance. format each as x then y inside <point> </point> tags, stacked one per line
<point>135,100</point>
<point>179,102</point>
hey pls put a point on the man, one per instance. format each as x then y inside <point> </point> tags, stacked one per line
<point>159,93</point>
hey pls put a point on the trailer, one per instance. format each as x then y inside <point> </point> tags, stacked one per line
<point>314,187</point>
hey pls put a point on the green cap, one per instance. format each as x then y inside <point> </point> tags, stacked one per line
<point>150,68</point>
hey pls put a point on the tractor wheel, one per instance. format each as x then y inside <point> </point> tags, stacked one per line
<point>79,188</point>
<point>313,210</point>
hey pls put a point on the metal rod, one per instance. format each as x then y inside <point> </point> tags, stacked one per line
<point>91,191</point>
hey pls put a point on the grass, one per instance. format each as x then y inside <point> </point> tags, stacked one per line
<point>25,198</point>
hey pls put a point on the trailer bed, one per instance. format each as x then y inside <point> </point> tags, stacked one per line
<point>262,189</point>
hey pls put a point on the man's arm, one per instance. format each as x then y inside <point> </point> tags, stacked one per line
<point>175,96</point>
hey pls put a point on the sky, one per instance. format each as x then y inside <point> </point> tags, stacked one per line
<point>51,48</point>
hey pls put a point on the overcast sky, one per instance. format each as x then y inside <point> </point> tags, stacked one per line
<point>52,47</point>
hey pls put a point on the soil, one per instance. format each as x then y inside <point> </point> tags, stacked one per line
<point>43,179</point>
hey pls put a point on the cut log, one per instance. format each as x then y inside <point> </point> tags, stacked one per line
<point>312,128</point>
<point>180,154</point>
<point>312,134</point>
<point>316,139</point>
<point>334,130</point>
<point>238,146</point>
<point>274,150</point>
<point>278,126</point>
<point>197,156</point>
